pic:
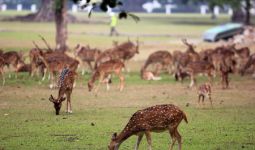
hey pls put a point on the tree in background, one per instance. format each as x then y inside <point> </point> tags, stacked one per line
<point>237,5</point>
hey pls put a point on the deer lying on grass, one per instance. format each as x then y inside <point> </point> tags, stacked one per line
<point>204,90</point>
<point>66,81</point>
<point>148,75</point>
<point>87,55</point>
<point>152,119</point>
<point>22,67</point>
<point>164,58</point>
<point>104,71</point>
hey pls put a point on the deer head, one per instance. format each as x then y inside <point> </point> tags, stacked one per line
<point>191,47</point>
<point>113,144</point>
<point>57,103</point>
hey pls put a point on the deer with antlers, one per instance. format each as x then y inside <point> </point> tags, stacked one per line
<point>66,82</point>
<point>104,71</point>
<point>152,119</point>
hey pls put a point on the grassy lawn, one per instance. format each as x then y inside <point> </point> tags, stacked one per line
<point>28,120</point>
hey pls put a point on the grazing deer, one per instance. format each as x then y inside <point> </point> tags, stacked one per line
<point>87,55</point>
<point>104,70</point>
<point>66,81</point>
<point>152,119</point>
<point>204,90</point>
<point>164,58</point>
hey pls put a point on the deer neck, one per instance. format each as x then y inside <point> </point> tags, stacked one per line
<point>125,134</point>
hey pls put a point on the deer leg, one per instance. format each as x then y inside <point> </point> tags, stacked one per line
<point>69,108</point>
<point>203,100</point>
<point>192,78</point>
<point>121,82</point>
<point>179,139</point>
<point>199,97</point>
<point>171,131</point>
<point>3,78</point>
<point>138,141</point>
<point>99,82</point>
<point>148,137</point>
<point>210,99</point>
<point>52,80</point>
<point>90,66</point>
<point>44,74</point>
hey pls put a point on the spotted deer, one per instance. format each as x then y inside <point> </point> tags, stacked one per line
<point>104,71</point>
<point>66,81</point>
<point>204,90</point>
<point>152,119</point>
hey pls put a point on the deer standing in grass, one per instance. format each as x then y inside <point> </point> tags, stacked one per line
<point>104,71</point>
<point>66,81</point>
<point>204,90</point>
<point>152,119</point>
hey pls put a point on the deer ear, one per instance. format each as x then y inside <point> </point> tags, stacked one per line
<point>62,99</point>
<point>114,136</point>
<point>51,99</point>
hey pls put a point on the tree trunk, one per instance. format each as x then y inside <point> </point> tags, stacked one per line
<point>238,16</point>
<point>61,24</point>
<point>247,11</point>
<point>46,11</point>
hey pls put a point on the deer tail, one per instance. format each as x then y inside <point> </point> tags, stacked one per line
<point>185,117</point>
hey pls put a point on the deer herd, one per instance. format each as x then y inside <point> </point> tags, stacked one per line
<point>219,61</point>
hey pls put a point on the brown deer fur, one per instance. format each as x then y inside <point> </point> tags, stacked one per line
<point>164,58</point>
<point>152,119</point>
<point>124,52</point>
<point>194,68</point>
<point>87,55</point>
<point>66,88</point>
<point>104,70</point>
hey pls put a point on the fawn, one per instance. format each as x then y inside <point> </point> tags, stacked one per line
<point>204,90</point>
<point>152,119</point>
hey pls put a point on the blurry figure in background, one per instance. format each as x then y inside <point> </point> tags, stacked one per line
<point>113,24</point>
